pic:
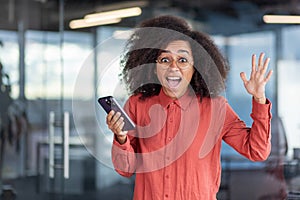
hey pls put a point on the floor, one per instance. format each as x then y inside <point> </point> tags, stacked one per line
<point>25,189</point>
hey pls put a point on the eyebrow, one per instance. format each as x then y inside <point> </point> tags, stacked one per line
<point>179,51</point>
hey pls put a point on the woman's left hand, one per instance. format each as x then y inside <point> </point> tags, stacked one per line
<point>258,80</point>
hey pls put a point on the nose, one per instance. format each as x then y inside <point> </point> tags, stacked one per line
<point>173,65</point>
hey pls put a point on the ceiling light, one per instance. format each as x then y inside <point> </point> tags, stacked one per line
<point>121,13</point>
<point>282,19</point>
<point>121,4</point>
<point>82,23</point>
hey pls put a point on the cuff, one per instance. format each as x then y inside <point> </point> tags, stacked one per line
<point>261,110</point>
<point>124,146</point>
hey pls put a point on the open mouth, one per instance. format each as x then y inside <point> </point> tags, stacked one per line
<point>173,82</point>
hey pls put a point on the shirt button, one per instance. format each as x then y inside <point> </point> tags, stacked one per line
<point>169,138</point>
<point>166,195</point>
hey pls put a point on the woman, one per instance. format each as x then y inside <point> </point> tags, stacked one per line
<point>175,76</point>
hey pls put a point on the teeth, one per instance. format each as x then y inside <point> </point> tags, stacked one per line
<point>173,78</point>
<point>173,81</point>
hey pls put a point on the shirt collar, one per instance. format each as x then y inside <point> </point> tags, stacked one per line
<point>183,102</point>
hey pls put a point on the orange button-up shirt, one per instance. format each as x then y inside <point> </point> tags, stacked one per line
<point>175,149</point>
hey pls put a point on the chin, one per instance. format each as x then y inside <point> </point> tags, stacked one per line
<point>174,92</point>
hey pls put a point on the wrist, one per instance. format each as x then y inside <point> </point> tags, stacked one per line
<point>121,138</point>
<point>261,99</point>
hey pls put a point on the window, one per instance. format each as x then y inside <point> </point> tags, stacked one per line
<point>9,57</point>
<point>44,64</point>
<point>289,84</point>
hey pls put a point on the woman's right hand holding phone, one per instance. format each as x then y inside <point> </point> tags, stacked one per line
<point>116,123</point>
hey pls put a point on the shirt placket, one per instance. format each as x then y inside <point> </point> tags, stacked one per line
<point>168,151</point>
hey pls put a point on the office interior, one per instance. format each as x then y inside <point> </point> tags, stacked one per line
<point>54,140</point>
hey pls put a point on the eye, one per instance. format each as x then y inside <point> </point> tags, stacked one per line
<point>164,60</point>
<point>182,60</point>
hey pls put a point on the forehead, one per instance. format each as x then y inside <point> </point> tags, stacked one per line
<point>178,46</point>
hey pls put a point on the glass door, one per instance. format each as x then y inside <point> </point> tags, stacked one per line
<point>62,159</point>
<point>53,60</point>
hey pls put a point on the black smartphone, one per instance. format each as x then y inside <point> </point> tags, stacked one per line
<point>109,103</point>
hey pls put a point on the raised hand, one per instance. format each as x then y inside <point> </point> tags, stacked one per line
<point>258,78</point>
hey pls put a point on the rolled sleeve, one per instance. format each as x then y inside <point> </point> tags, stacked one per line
<point>261,111</point>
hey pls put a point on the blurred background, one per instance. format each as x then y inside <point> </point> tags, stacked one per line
<point>58,56</point>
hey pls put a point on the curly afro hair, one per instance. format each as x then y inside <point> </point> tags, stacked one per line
<point>153,35</point>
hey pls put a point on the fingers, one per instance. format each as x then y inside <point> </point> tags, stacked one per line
<point>115,122</point>
<point>260,61</point>
<point>253,62</point>
<point>265,65</point>
<point>253,65</point>
<point>258,70</point>
<point>269,76</point>
<point>243,77</point>
<point>261,66</point>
